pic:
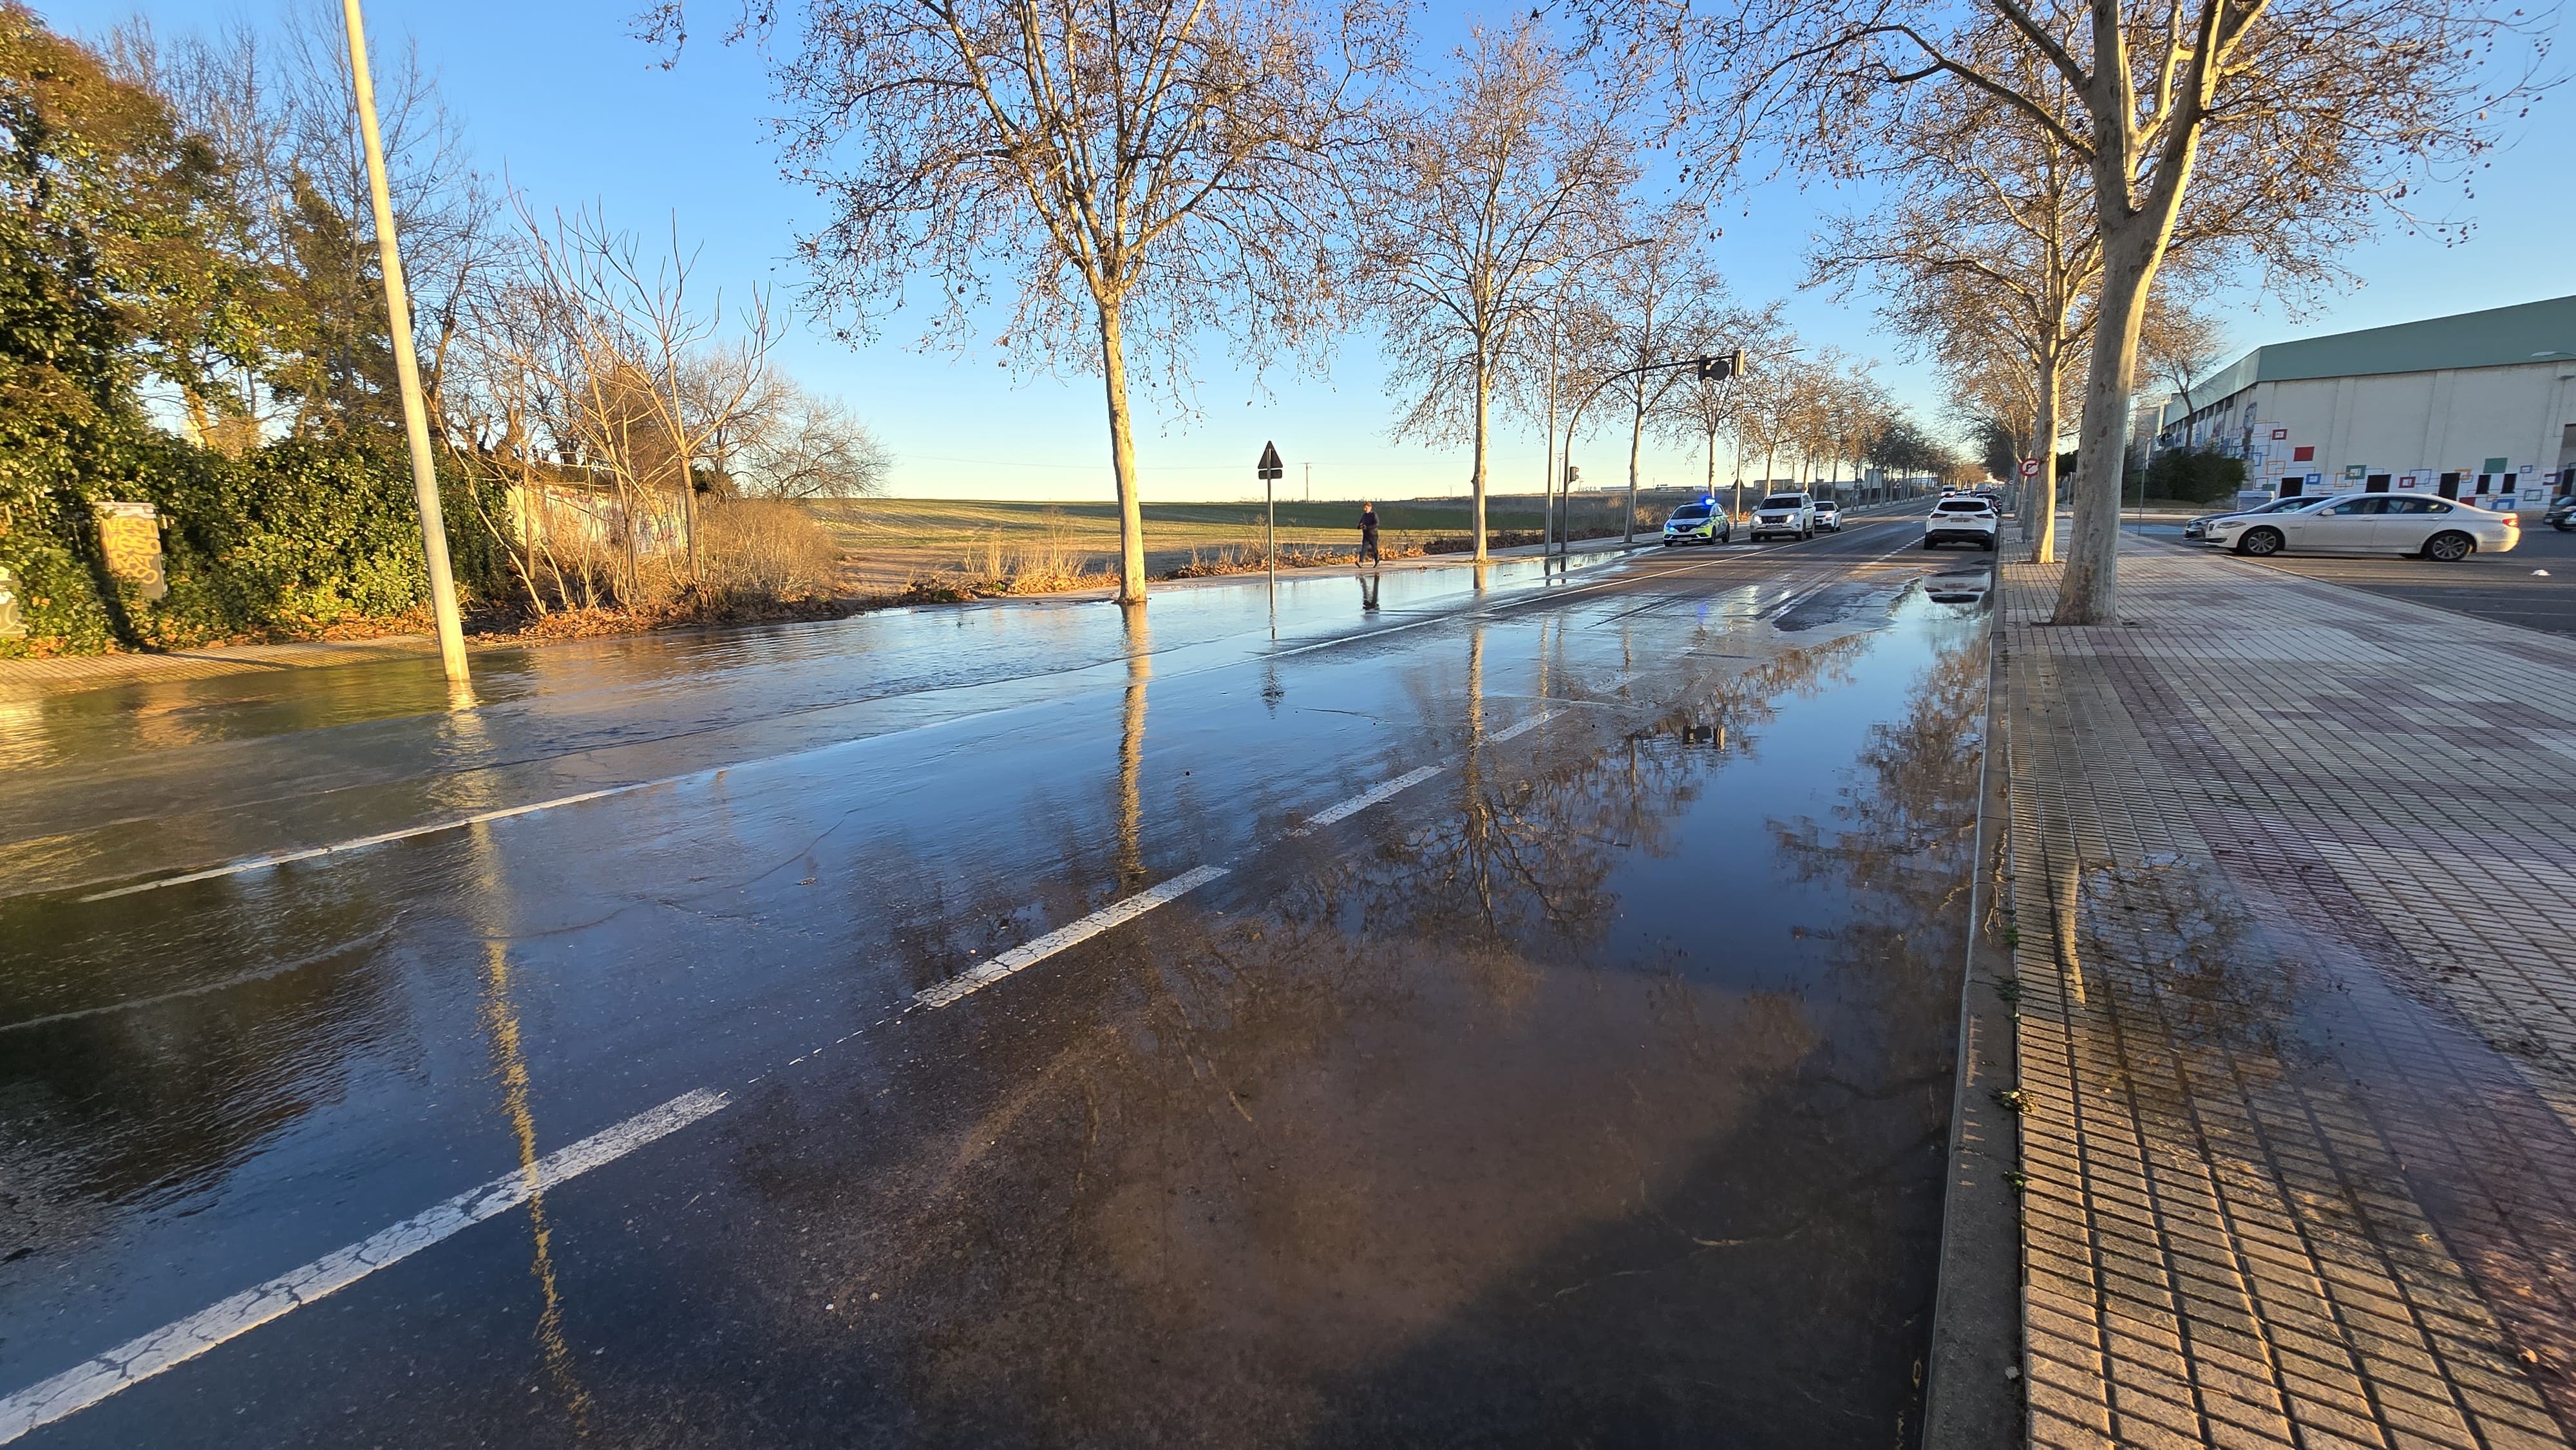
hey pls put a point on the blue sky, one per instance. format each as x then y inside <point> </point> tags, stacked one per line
<point>556,93</point>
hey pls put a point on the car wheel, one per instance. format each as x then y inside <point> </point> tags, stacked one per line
<point>1989,546</point>
<point>2261,543</point>
<point>1927,543</point>
<point>2449,548</point>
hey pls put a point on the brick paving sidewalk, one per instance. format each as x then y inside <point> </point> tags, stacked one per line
<point>2298,1033</point>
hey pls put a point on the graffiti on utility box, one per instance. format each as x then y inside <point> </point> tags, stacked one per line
<point>129,539</point>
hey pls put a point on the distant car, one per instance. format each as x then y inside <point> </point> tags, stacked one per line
<point>2562,514</point>
<point>1698,523</point>
<point>2199,528</point>
<point>1962,519</point>
<point>1790,514</point>
<point>1829,516</point>
<point>2441,529</point>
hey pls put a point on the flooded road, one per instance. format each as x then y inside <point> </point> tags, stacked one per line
<point>1516,1015</point>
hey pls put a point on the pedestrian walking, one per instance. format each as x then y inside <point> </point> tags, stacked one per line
<point>1368,533</point>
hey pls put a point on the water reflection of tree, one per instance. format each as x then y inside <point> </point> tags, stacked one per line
<point>1251,1156</point>
<point>1897,850</point>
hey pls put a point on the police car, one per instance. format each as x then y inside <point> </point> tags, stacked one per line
<point>1698,523</point>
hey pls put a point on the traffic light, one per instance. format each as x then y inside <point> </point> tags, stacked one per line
<point>1719,369</point>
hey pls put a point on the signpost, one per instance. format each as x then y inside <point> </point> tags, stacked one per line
<point>1270,471</point>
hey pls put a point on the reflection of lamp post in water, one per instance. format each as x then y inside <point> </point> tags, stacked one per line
<point>500,1019</point>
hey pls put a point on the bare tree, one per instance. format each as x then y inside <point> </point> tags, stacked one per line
<point>2318,109</point>
<point>1703,410</point>
<point>2181,347</point>
<point>1126,172</point>
<point>800,444</point>
<point>592,365</point>
<point>1655,300</point>
<point>1473,206</point>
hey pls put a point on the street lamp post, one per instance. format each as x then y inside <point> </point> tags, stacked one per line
<point>424,469</point>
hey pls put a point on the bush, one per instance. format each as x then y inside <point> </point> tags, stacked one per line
<point>765,548</point>
<point>300,537</point>
<point>2194,476</point>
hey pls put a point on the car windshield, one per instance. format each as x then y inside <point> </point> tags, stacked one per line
<point>1828,506</point>
<point>1784,500</point>
<point>1690,513</point>
<point>1963,506</point>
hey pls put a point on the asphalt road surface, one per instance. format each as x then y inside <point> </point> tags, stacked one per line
<point>2503,588</point>
<point>1516,1013</point>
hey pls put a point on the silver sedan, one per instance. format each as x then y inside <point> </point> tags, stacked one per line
<point>2441,529</point>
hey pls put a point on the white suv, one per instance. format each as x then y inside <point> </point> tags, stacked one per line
<point>1793,514</point>
<point>1962,519</point>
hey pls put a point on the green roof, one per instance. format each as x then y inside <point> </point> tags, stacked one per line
<point>2498,337</point>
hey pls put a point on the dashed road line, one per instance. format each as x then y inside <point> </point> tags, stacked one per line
<point>260,863</point>
<point>1023,957</point>
<point>1365,799</point>
<point>136,1360</point>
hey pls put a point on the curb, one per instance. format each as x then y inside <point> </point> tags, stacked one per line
<point>1974,1387</point>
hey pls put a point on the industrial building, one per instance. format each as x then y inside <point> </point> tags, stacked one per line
<point>2481,406</point>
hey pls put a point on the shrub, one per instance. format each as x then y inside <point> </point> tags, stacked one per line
<point>2194,476</point>
<point>765,549</point>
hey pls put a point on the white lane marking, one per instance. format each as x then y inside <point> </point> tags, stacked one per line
<point>1365,799</point>
<point>1029,954</point>
<point>1514,732</point>
<point>136,1360</point>
<point>258,863</point>
<point>1510,732</point>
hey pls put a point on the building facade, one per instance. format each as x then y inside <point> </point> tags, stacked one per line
<point>2479,406</point>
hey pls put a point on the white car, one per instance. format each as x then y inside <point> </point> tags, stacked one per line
<point>1829,516</point>
<point>1962,519</point>
<point>2441,529</point>
<point>2199,528</point>
<point>1790,514</point>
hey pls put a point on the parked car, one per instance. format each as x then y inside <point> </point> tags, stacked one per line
<point>1790,514</point>
<point>2562,514</point>
<point>1698,523</point>
<point>1829,516</point>
<point>2199,528</point>
<point>1962,519</point>
<point>2441,529</point>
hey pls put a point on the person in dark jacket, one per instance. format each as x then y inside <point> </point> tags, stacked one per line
<point>1368,533</point>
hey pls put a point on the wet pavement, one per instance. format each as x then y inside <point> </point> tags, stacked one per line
<point>1504,1013</point>
<point>2297,1016</point>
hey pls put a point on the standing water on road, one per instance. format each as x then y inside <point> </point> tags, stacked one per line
<point>1552,1044</point>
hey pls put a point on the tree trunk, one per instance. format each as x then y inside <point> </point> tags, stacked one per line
<point>1122,459</point>
<point>1712,465</point>
<point>1484,407</point>
<point>1636,441</point>
<point>2040,507</point>
<point>2132,245</point>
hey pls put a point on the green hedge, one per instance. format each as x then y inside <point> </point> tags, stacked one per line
<point>296,537</point>
<point>2194,476</point>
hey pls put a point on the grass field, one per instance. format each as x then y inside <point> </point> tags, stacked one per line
<point>889,542</point>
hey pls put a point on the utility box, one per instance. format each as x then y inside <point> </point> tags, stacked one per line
<point>129,538</point>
